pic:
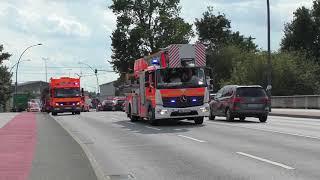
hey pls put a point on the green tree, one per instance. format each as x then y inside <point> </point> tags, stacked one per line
<point>5,79</point>
<point>215,32</point>
<point>300,33</point>
<point>143,27</point>
<point>292,73</point>
<point>223,45</point>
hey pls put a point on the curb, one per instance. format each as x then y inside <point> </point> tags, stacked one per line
<point>294,115</point>
<point>96,168</point>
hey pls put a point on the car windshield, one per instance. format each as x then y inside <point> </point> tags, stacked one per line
<point>250,92</point>
<point>66,92</point>
<point>180,78</point>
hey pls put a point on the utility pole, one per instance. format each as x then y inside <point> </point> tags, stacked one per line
<point>46,68</point>
<point>269,87</point>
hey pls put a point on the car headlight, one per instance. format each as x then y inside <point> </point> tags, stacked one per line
<point>204,109</point>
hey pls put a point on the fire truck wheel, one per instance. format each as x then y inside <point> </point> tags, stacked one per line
<point>151,114</point>
<point>198,120</point>
<point>133,118</point>
<point>54,113</point>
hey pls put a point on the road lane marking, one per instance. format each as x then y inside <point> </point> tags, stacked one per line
<point>177,129</point>
<point>198,140</point>
<point>130,122</point>
<point>266,160</point>
<point>153,128</point>
<point>269,130</point>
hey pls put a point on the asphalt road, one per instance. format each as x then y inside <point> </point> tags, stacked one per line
<point>282,148</point>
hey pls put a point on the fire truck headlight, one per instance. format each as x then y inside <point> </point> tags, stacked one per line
<point>163,111</point>
<point>57,104</point>
<point>78,103</point>
<point>204,109</point>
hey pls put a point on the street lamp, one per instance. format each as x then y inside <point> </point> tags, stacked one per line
<point>269,87</point>
<point>96,74</point>
<point>17,64</point>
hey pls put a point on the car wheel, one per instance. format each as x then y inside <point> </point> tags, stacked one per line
<point>198,120</point>
<point>242,118</point>
<point>229,116</point>
<point>211,116</point>
<point>151,115</point>
<point>263,118</point>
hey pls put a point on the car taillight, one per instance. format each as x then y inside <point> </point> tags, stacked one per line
<point>236,100</point>
<point>265,100</point>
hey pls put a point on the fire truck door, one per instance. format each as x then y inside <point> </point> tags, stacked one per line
<point>142,88</point>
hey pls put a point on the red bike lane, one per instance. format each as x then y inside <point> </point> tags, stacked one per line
<point>17,147</point>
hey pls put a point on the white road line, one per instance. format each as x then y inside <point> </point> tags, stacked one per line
<point>268,130</point>
<point>266,160</point>
<point>191,138</point>
<point>130,122</point>
<point>177,129</point>
<point>153,128</point>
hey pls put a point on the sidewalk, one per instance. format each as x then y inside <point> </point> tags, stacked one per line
<point>298,113</point>
<point>35,147</point>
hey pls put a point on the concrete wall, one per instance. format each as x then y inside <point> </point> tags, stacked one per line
<point>302,102</point>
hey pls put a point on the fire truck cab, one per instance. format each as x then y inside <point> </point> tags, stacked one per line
<point>65,95</point>
<point>170,84</point>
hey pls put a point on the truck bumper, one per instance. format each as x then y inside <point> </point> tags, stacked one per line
<point>66,109</point>
<point>181,113</point>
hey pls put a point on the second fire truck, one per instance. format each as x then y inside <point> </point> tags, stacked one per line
<point>170,84</point>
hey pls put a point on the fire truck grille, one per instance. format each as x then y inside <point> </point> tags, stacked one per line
<point>182,101</point>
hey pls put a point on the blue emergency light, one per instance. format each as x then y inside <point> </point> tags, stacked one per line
<point>155,62</point>
<point>173,101</point>
<point>194,100</point>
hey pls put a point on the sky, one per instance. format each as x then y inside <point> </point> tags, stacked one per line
<point>74,32</point>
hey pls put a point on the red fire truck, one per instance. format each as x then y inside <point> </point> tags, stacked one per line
<point>170,84</point>
<point>65,95</point>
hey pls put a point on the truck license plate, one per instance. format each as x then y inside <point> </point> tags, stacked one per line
<point>184,111</point>
<point>67,107</point>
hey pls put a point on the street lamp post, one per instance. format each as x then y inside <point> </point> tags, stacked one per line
<point>17,63</point>
<point>16,84</point>
<point>45,66</point>
<point>269,87</point>
<point>96,74</point>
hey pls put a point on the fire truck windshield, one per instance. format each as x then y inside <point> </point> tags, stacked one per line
<point>66,92</point>
<point>180,78</point>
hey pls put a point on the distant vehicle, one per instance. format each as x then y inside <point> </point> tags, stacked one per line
<point>33,106</point>
<point>20,102</point>
<point>65,95</point>
<point>118,103</point>
<point>86,104</point>
<point>107,105</point>
<point>235,101</point>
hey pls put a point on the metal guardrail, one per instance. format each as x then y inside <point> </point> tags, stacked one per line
<point>298,101</point>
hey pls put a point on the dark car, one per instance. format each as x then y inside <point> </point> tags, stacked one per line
<point>235,101</point>
<point>117,104</point>
<point>107,105</point>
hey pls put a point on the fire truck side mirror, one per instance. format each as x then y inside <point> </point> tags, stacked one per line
<point>211,81</point>
<point>82,92</point>
<point>146,84</point>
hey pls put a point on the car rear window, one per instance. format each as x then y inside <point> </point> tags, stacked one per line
<point>250,92</point>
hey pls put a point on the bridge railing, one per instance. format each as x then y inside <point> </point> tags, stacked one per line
<point>298,101</point>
